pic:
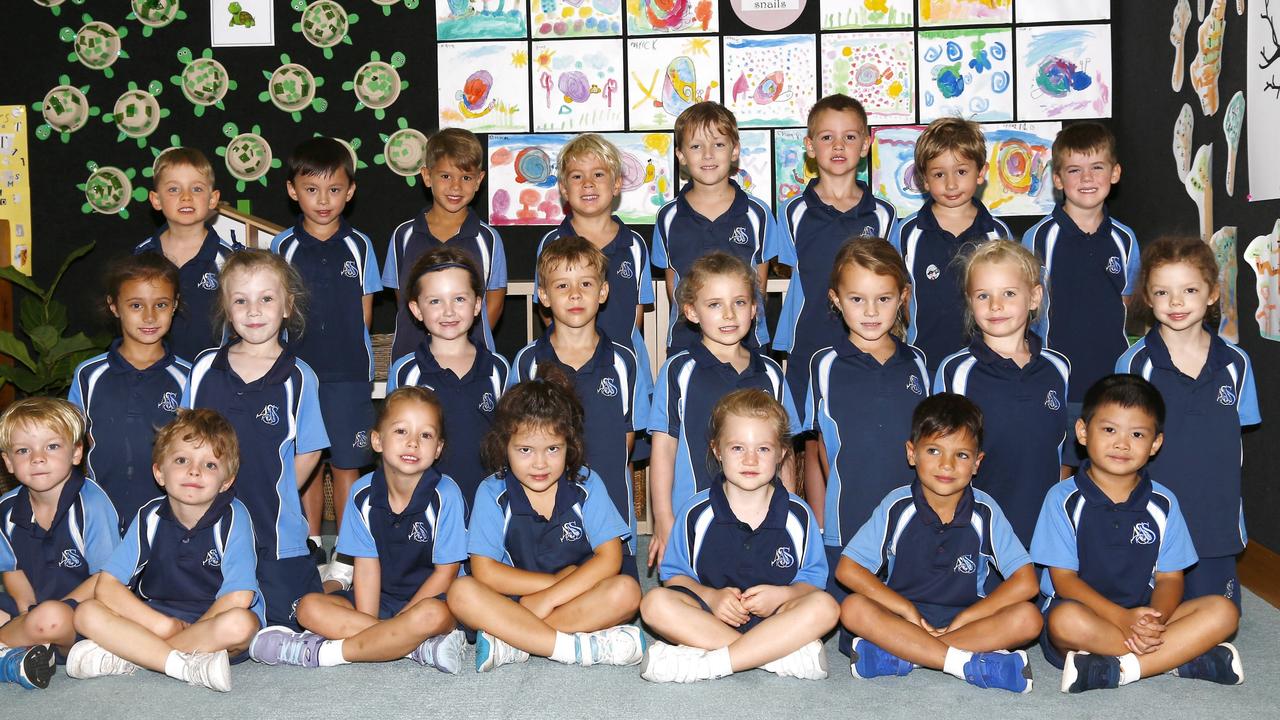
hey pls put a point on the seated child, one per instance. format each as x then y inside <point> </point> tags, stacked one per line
<point>919,567</point>
<point>1114,545</point>
<point>180,594</point>
<point>729,606</point>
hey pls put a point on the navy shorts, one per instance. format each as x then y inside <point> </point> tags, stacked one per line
<point>283,583</point>
<point>1051,653</point>
<point>347,410</point>
<point>745,627</point>
<point>9,605</point>
<point>844,638</point>
<point>388,606</point>
<point>1212,576</point>
<point>630,567</point>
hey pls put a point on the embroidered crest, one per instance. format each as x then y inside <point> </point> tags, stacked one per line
<point>739,236</point>
<point>349,269</point>
<point>868,231</point>
<point>362,439</point>
<point>212,558</point>
<point>270,415</point>
<point>965,565</point>
<point>169,402</point>
<point>625,271</point>
<point>932,272</point>
<point>486,403</point>
<point>913,384</point>
<point>1051,400</point>
<point>418,533</point>
<point>782,558</point>
<point>70,559</point>
<point>1226,395</point>
<point>570,532</point>
<point>1142,534</point>
<point>208,281</point>
<point>1230,592</point>
<point>1113,265</point>
<point>608,387</point>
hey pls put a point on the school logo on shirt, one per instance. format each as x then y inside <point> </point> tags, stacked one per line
<point>1142,534</point>
<point>570,532</point>
<point>868,231</point>
<point>486,403</point>
<point>1230,592</point>
<point>1051,400</point>
<point>608,387</point>
<point>208,281</point>
<point>932,272</point>
<point>782,558</point>
<point>625,271</point>
<point>70,559</point>
<point>419,533</point>
<point>1113,265</point>
<point>965,566</point>
<point>270,415</point>
<point>913,384</point>
<point>739,236</point>
<point>212,558</point>
<point>349,269</point>
<point>362,439</point>
<point>169,402</point>
<point>1226,395</point>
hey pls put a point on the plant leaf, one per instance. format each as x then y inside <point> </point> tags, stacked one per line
<point>71,257</point>
<point>75,344</point>
<point>44,337</point>
<point>56,315</point>
<point>30,312</point>
<point>17,278</point>
<point>27,381</point>
<point>16,349</point>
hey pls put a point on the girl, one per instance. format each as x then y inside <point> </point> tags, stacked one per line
<point>545,542</point>
<point>134,387</point>
<point>718,295</point>
<point>1208,388</point>
<point>743,574</point>
<point>404,528</point>
<point>270,397</point>
<point>1020,386</point>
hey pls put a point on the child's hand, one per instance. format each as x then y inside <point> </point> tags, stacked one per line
<point>539,604</point>
<point>915,618</point>
<point>728,608</point>
<point>1147,634</point>
<point>658,541</point>
<point>763,600</point>
<point>172,627</point>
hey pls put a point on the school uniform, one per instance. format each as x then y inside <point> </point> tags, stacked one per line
<point>407,544</point>
<point>410,241</point>
<point>681,235</point>
<point>811,234</point>
<point>1116,548</point>
<point>338,273</point>
<point>937,295</point>
<point>192,330</point>
<point>1201,455</point>
<point>123,407</point>
<point>688,388</point>
<point>1025,422</point>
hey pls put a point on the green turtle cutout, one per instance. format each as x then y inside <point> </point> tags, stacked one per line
<point>404,152</point>
<point>247,155</point>
<point>96,45</point>
<point>377,83</point>
<point>65,109</point>
<point>108,190</point>
<point>292,88</point>
<point>204,81</point>
<point>137,113</point>
<point>324,23</point>
<point>155,14</point>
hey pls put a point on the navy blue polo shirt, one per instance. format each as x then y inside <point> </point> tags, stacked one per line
<point>182,570</point>
<point>1087,278</point>
<point>1024,421</point>
<point>864,438</point>
<point>614,390</point>
<point>681,235</point>
<point>468,401</point>
<point>1115,548</point>
<point>811,234</point>
<point>506,528</point>
<point>711,546</point>
<point>688,388</point>
<point>410,241</point>
<point>79,540</point>
<point>192,330</point>
<point>338,273</point>
<point>409,544</point>
<point>1201,455</point>
<point>123,408</point>
<point>937,298</point>
<point>925,560</point>
<point>276,417</point>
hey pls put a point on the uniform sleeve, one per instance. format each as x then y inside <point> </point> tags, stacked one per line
<point>1131,272</point>
<point>498,269</point>
<point>646,275</point>
<point>391,271</point>
<point>664,413</point>
<point>239,557</point>
<point>600,519</point>
<point>813,570</point>
<point>393,378</point>
<point>102,528</point>
<point>354,537</point>
<point>772,242</point>
<point>450,543</point>
<point>1247,403</point>
<point>789,404</point>
<point>519,368</point>
<point>75,394</point>
<point>1054,542</point>
<point>1010,555</point>
<point>659,252</point>
<point>127,558</point>
<point>188,399</point>
<point>813,398</point>
<point>868,544</point>
<point>504,373</point>
<point>940,379</point>
<point>8,561</point>
<point>676,561</point>
<point>1176,550</point>
<point>311,432</point>
<point>372,283</point>
<point>641,391</point>
<point>485,534</point>
<point>787,254</point>
<point>895,234</point>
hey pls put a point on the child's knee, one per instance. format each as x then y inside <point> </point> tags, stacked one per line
<point>1071,621</point>
<point>1222,611</point>
<point>429,614</point>
<point>236,627</point>
<point>656,604</point>
<point>89,616</point>
<point>1026,619</point>
<point>50,621</point>
<point>462,593</point>
<point>309,607</point>
<point>855,610</point>
<point>621,591</point>
<point>822,608</point>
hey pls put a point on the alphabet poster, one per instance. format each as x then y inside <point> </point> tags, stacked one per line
<point>15,187</point>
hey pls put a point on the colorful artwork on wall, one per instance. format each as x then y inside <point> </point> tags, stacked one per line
<point>965,12</point>
<point>857,14</point>
<point>771,80</point>
<point>1064,71</point>
<point>484,87</point>
<point>1020,168</point>
<point>480,19</point>
<point>792,169</point>
<point>1261,81</point>
<point>1263,255</point>
<point>893,167</point>
<point>667,75</point>
<point>1223,243</point>
<point>577,85</point>
<point>654,17</point>
<point>878,69</point>
<point>575,18</point>
<point>967,73</point>
<point>755,164</point>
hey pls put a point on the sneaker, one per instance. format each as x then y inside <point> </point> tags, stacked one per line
<point>869,660</point>
<point>618,645</point>
<point>492,652</point>
<point>442,652</point>
<point>278,645</point>
<point>318,555</point>
<point>30,667</point>
<point>338,571</point>
<point>88,659</point>
<point>673,663</point>
<point>211,670</point>
<point>1220,665</point>
<point>1003,670</point>
<point>807,663</point>
<point>1082,671</point>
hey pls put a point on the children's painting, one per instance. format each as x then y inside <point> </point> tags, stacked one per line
<point>877,68</point>
<point>771,80</point>
<point>855,14</point>
<point>966,12</point>
<point>1263,255</point>
<point>966,73</point>
<point>484,87</point>
<point>667,75</point>
<point>480,19</point>
<point>1261,82</point>
<point>793,168</point>
<point>893,167</point>
<point>1223,243</point>
<point>654,17</point>
<point>1020,168</point>
<point>755,164</point>
<point>523,186</point>
<point>1043,11</point>
<point>1064,72</point>
<point>575,18</point>
<point>577,85</point>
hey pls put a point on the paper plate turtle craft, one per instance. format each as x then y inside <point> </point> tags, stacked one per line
<point>404,152</point>
<point>292,88</point>
<point>96,45</point>
<point>155,14</point>
<point>65,109</point>
<point>109,190</point>
<point>53,5</point>
<point>324,23</point>
<point>248,155</point>
<point>387,4</point>
<point>377,83</point>
<point>204,81</point>
<point>137,113</point>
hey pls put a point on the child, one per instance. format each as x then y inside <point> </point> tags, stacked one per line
<point>710,214</point>
<point>718,296</point>
<point>340,272</point>
<point>1020,385</point>
<point>185,194</point>
<point>404,527</point>
<point>611,384</point>
<point>951,163</point>
<point>1114,545</point>
<point>919,567</point>
<point>134,387</point>
<point>453,173</point>
<point>731,608</point>
<point>179,595</point>
<point>269,397</point>
<point>56,529</point>
<point>545,542</point>
<point>1207,384</point>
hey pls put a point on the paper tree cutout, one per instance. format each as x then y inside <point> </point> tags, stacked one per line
<point>1263,255</point>
<point>1178,36</point>
<point>1207,66</point>
<point>1182,140</point>
<point>1199,184</point>
<point>1232,122</point>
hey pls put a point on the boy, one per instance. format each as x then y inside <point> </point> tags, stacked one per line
<point>1114,545</point>
<point>453,173</point>
<point>710,213</point>
<point>338,268</point>
<point>610,381</point>
<point>951,163</point>
<point>180,593</point>
<point>184,193</point>
<point>919,567</point>
<point>56,529</point>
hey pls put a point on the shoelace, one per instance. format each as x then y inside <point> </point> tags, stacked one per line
<point>294,650</point>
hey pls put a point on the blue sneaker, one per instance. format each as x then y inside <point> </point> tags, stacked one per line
<point>1006,671</point>
<point>868,660</point>
<point>1082,671</point>
<point>1220,665</point>
<point>30,667</point>
<point>278,645</point>
<point>492,652</point>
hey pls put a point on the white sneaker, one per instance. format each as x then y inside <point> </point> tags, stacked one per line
<point>807,663</point>
<point>618,645</point>
<point>88,659</point>
<point>339,572</point>
<point>211,670</point>
<point>674,663</point>
<point>442,652</point>
<point>492,652</point>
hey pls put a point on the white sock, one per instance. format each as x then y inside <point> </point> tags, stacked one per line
<point>175,666</point>
<point>316,539</point>
<point>566,650</point>
<point>330,654</point>
<point>954,664</point>
<point>1130,670</point>
<point>718,663</point>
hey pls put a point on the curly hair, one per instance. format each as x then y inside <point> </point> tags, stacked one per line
<point>1170,250</point>
<point>548,403</point>
<point>200,426</point>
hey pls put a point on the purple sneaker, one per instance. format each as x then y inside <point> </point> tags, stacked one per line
<point>278,645</point>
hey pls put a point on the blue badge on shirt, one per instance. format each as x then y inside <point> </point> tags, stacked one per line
<point>419,533</point>
<point>965,565</point>
<point>212,558</point>
<point>168,402</point>
<point>739,236</point>
<point>625,270</point>
<point>1051,400</point>
<point>608,387</point>
<point>361,440</point>
<point>782,558</point>
<point>486,402</point>
<point>913,384</point>
<point>1113,265</point>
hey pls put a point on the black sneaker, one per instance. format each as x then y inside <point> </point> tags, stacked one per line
<point>1083,671</point>
<point>1220,665</point>
<point>318,555</point>
<point>30,667</point>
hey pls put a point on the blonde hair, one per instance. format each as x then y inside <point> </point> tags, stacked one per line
<point>706,115</point>
<point>712,265</point>
<point>253,260</point>
<point>754,404</point>
<point>183,157</point>
<point>570,251</point>
<point>878,256</point>
<point>200,426</point>
<point>585,146</point>
<point>54,413</point>
<point>993,252</point>
<point>951,134</point>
